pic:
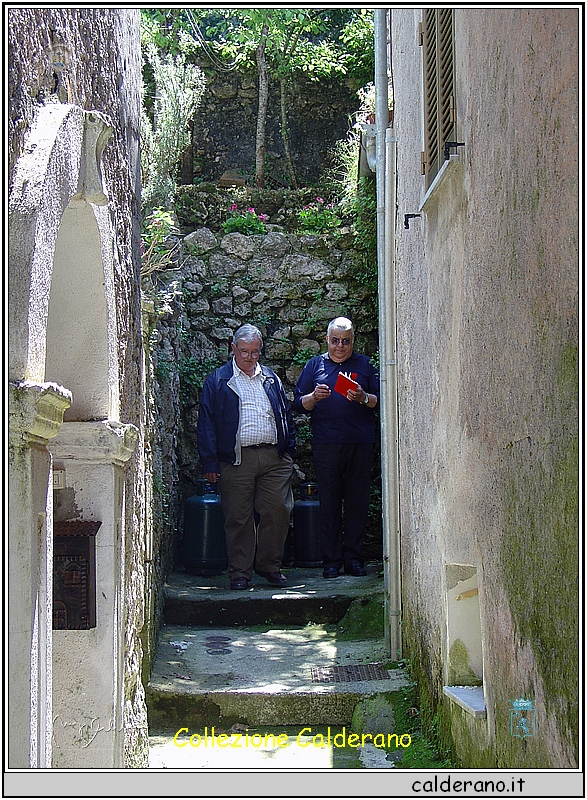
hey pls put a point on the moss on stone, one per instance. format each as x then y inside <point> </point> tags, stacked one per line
<point>460,673</point>
<point>363,620</point>
<point>540,554</point>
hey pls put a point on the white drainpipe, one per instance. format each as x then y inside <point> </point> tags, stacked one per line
<point>386,202</point>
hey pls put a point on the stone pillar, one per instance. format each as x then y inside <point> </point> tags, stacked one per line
<point>35,416</point>
<point>88,665</point>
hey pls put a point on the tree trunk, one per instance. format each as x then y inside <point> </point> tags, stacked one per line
<point>262,112</point>
<point>187,159</point>
<point>285,133</point>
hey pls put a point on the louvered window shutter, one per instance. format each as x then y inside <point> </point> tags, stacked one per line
<point>439,103</point>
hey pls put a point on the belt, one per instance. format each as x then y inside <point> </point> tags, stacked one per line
<point>257,446</point>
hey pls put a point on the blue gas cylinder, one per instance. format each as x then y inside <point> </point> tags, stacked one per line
<point>306,524</point>
<point>204,544</point>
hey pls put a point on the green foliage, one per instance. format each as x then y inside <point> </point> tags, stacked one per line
<point>192,374</point>
<point>364,210</point>
<point>298,39</point>
<point>262,320</point>
<point>425,750</point>
<point>303,356</point>
<point>358,37</point>
<point>247,222</point>
<point>178,89</point>
<point>219,287</point>
<point>317,43</point>
<point>187,297</point>
<point>164,368</point>
<point>303,433</point>
<point>156,253</point>
<point>318,217</point>
<point>375,503</point>
<point>342,175</point>
<point>163,28</point>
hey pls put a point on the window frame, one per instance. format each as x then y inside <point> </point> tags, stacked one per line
<point>438,66</point>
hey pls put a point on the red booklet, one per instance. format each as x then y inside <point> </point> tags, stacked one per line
<point>344,383</point>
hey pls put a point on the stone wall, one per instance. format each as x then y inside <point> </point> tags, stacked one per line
<point>225,125</point>
<point>290,286</point>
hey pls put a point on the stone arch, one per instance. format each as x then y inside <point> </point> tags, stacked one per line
<point>63,365</point>
<point>62,317</point>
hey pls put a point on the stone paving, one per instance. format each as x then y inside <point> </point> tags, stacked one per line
<point>236,668</point>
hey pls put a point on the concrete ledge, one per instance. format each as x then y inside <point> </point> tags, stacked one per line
<point>433,190</point>
<point>470,698</point>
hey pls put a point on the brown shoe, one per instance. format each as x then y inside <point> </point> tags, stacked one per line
<point>275,578</point>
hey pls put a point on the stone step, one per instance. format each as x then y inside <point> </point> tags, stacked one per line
<point>297,659</point>
<point>308,597</point>
<point>217,676</point>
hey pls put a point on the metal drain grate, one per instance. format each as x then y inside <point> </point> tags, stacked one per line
<point>217,645</point>
<point>349,672</point>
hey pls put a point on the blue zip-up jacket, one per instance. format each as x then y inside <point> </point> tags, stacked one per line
<point>218,418</point>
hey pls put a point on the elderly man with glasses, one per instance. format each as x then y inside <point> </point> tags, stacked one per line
<point>246,438</point>
<point>341,409</point>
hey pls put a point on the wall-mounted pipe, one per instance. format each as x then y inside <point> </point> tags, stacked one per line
<point>386,202</point>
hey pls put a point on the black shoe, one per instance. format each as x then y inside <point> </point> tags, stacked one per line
<point>330,572</point>
<point>239,583</point>
<point>275,578</point>
<point>355,568</point>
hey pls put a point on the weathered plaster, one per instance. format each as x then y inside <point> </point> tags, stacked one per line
<point>67,160</point>
<point>487,343</point>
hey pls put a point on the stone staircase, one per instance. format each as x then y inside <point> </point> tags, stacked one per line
<point>306,662</point>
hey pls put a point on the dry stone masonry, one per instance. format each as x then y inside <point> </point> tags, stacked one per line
<point>287,284</point>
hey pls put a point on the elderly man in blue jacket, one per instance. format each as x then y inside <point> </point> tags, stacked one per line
<point>343,436</point>
<point>246,438</point>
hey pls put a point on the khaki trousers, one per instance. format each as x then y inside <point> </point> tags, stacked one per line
<point>261,483</point>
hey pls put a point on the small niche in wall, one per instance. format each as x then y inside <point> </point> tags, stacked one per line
<point>464,651</point>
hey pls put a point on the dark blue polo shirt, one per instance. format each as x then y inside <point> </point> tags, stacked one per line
<point>336,419</point>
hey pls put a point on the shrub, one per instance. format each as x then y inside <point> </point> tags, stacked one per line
<point>157,250</point>
<point>247,222</point>
<point>318,217</point>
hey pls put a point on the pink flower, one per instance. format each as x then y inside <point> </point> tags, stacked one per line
<point>251,210</point>
<point>264,217</point>
<point>319,200</point>
<point>234,207</point>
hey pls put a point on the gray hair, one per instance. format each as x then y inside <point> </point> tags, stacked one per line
<point>340,324</point>
<point>247,333</point>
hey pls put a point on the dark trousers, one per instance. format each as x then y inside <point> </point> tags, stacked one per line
<point>343,475</point>
<point>261,485</point>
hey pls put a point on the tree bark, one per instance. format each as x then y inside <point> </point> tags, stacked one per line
<point>263,73</point>
<point>187,159</point>
<point>285,133</point>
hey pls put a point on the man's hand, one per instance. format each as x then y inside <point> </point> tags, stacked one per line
<point>321,392</point>
<point>211,477</point>
<point>357,396</point>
